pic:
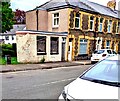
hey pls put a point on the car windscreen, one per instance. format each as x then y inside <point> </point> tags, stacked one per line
<point>106,70</point>
<point>99,52</point>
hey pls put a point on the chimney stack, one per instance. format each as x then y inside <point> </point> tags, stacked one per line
<point>112,4</point>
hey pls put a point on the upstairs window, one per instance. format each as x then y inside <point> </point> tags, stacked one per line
<point>101,25</point>
<point>107,44</point>
<point>109,25</point>
<point>55,19</point>
<point>77,21</point>
<point>41,45</point>
<point>91,23</point>
<point>118,27</point>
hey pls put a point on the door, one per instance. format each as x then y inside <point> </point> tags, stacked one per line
<point>70,52</point>
<point>63,52</point>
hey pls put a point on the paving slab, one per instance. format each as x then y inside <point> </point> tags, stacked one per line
<point>24,67</point>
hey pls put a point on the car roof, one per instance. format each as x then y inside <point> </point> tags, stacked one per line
<point>116,57</point>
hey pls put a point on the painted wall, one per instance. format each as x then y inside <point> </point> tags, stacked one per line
<point>45,20</point>
<point>63,21</point>
<point>27,48</point>
<point>31,23</point>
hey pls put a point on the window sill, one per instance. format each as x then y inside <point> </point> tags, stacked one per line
<point>55,27</point>
<point>41,53</point>
<point>54,53</point>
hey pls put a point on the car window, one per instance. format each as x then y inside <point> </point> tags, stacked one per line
<point>100,51</point>
<point>109,51</point>
<point>106,70</point>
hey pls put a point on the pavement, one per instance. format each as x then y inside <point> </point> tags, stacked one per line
<point>24,67</point>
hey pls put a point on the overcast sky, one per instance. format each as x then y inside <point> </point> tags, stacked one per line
<point>31,4</point>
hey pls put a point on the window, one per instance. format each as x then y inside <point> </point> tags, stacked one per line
<point>77,20</point>
<point>6,37</point>
<point>56,20</point>
<point>83,46</point>
<point>107,44</point>
<point>109,26</point>
<point>91,23</point>
<point>12,37</point>
<point>101,24</point>
<point>118,27</point>
<point>54,45</point>
<point>109,51</point>
<point>41,45</point>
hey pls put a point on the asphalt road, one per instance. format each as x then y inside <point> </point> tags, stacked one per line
<point>39,84</point>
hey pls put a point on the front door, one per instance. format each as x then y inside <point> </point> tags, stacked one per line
<point>70,52</point>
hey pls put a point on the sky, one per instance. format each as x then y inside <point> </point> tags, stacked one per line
<point>31,4</point>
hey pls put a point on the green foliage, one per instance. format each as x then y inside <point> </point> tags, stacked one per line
<point>7,17</point>
<point>3,60</point>
<point>7,49</point>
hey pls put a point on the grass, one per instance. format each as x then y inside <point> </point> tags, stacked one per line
<point>3,60</point>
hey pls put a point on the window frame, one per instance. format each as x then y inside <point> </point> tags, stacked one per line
<point>51,46</point>
<point>107,46</point>
<point>83,41</point>
<point>55,23</point>
<point>6,37</point>
<point>77,18</point>
<point>41,53</point>
<point>92,23</point>
<point>109,28</point>
<point>101,25</point>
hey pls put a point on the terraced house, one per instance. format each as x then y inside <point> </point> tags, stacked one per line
<point>68,30</point>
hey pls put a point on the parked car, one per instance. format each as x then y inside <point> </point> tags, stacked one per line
<point>101,54</point>
<point>100,81</point>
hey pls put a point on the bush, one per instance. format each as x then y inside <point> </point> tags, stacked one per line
<point>8,49</point>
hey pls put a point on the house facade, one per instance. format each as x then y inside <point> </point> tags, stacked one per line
<point>85,26</point>
<point>10,36</point>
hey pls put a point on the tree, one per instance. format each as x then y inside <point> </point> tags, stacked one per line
<point>19,17</point>
<point>7,17</point>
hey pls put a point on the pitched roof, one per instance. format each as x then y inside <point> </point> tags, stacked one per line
<point>82,4</point>
<point>15,28</point>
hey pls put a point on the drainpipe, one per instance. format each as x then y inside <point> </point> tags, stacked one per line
<point>37,18</point>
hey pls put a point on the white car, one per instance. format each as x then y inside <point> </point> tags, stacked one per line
<point>101,54</point>
<point>101,81</point>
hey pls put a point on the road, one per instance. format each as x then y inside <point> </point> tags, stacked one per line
<point>39,84</point>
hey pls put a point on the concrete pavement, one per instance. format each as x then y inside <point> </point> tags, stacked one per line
<point>24,67</point>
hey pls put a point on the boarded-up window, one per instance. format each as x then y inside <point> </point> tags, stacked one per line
<point>54,45</point>
<point>41,45</point>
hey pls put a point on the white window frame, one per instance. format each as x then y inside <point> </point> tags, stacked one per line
<point>54,24</point>
<point>79,21</point>
<point>109,25</point>
<point>101,24</point>
<point>92,23</point>
<point>83,41</point>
